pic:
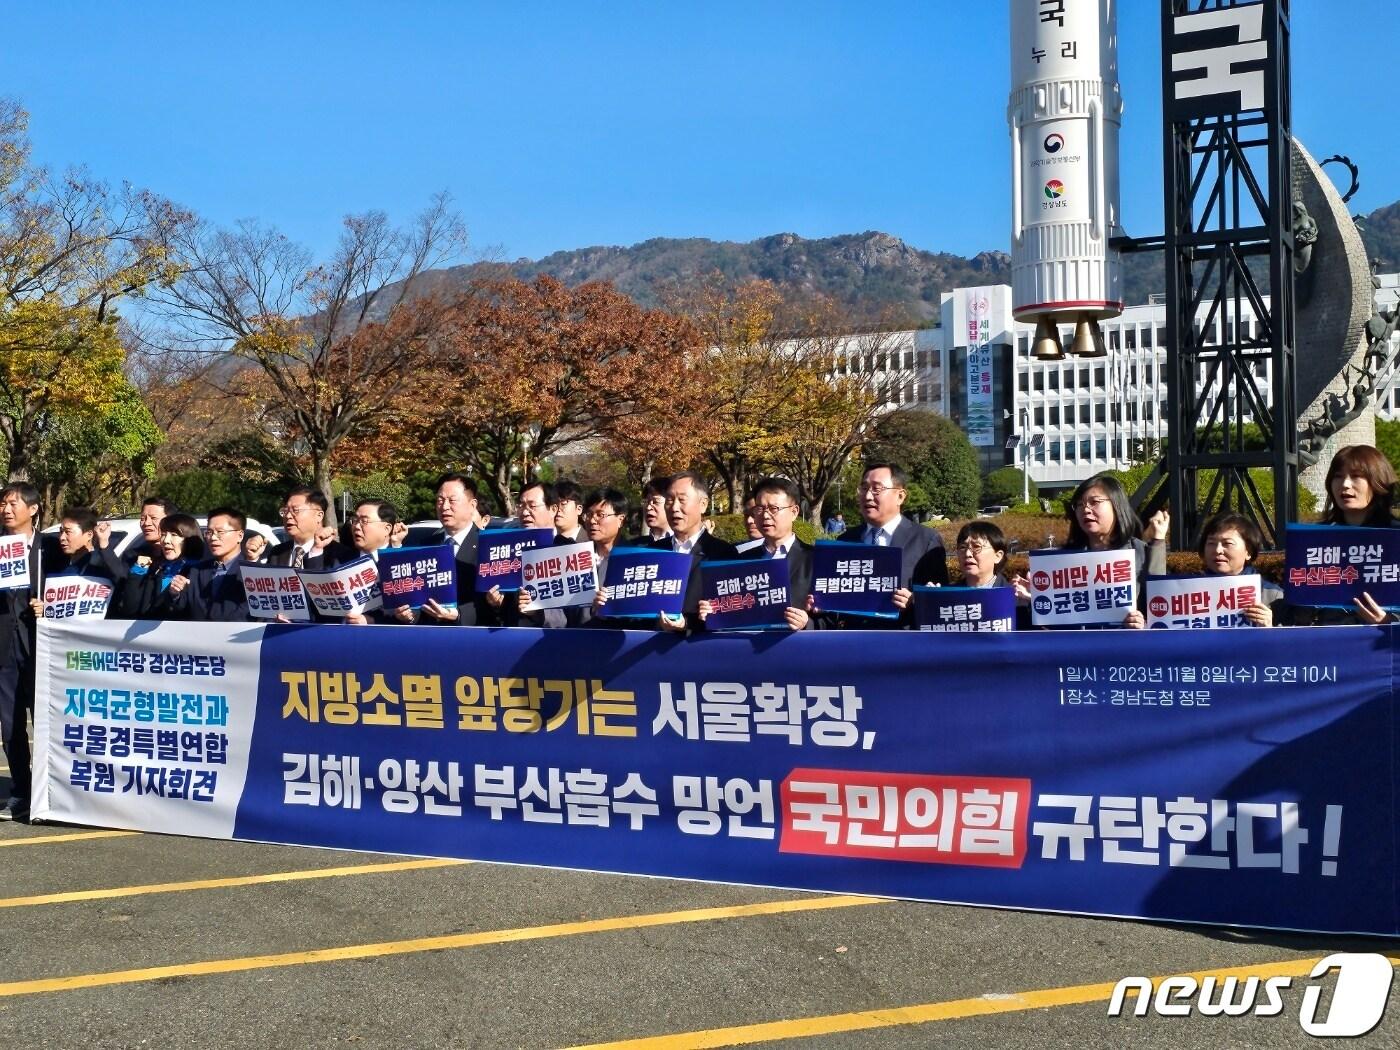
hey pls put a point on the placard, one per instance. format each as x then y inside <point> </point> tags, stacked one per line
<point>856,578</point>
<point>643,583</point>
<point>14,563</point>
<point>274,590</point>
<point>1329,565</point>
<point>967,610</point>
<point>413,576</point>
<point>347,589</point>
<point>556,577</point>
<point>76,597</point>
<point>1193,602</point>
<point>498,556</point>
<point>745,595</point>
<point>1083,587</point>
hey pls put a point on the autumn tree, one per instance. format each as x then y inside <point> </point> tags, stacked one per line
<point>525,370</point>
<point>937,455</point>
<point>337,342</point>
<point>71,248</point>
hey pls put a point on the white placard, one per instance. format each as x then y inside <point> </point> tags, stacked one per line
<point>76,598</point>
<point>345,590</point>
<point>556,577</point>
<point>274,590</point>
<point>1085,587</point>
<point>1180,603</point>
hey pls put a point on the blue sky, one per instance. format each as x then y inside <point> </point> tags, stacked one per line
<point>562,125</point>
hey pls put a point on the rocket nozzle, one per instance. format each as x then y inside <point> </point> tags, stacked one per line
<point>1088,339</point>
<point>1046,346</point>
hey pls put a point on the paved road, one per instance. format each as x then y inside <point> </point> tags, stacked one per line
<point>113,939</point>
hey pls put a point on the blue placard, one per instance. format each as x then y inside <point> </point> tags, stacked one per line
<point>856,578</point>
<point>746,595</point>
<point>642,582</point>
<point>965,609</point>
<point>1329,565</point>
<point>498,556</point>
<point>413,576</point>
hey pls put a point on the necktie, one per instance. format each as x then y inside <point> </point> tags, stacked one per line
<point>878,537</point>
<point>298,557</point>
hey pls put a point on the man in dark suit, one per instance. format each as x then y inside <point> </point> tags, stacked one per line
<point>311,543</point>
<point>654,523</point>
<point>535,508</point>
<point>371,531</point>
<point>213,590</point>
<point>923,560</point>
<point>568,511</point>
<point>456,512</point>
<point>776,505</point>
<point>687,499</point>
<point>19,518</point>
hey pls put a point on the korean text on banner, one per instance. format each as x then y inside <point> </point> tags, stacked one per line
<point>980,421</point>
<point>555,577</point>
<point>745,595</point>
<point>1329,565</point>
<point>965,609</point>
<point>14,562</point>
<point>413,576</point>
<point>811,763</point>
<point>856,578</point>
<point>499,550</point>
<point>274,590</point>
<point>76,597</point>
<point>347,589</point>
<point>1183,602</point>
<point>1087,587</point>
<point>642,583</point>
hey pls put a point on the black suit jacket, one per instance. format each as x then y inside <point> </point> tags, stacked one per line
<point>799,559</point>
<point>465,571</point>
<point>923,560</point>
<point>707,548</point>
<point>211,597</point>
<point>333,554</point>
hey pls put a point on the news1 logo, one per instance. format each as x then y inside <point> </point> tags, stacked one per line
<point>1358,1001</point>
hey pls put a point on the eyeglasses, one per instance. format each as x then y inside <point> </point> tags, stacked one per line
<point>220,532</point>
<point>282,512</point>
<point>599,515</point>
<point>361,520</point>
<point>876,489</point>
<point>770,510</point>
<point>975,547</point>
<point>1091,503</point>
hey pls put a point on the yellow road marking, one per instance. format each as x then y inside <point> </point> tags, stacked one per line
<point>924,1013</point>
<point>427,944</point>
<point>36,840</point>
<point>224,883</point>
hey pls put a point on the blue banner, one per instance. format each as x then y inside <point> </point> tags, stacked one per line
<point>745,595</point>
<point>855,578</point>
<point>965,609</point>
<point>498,556</point>
<point>642,583</point>
<point>1184,776</point>
<point>1329,565</point>
<point>413,576</point>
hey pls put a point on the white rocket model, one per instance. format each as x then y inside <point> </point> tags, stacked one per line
<point>1065,111</point>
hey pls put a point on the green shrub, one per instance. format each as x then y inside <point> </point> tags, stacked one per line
<point>1004,486</point>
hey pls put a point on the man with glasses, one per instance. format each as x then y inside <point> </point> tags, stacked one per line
<point>605,515</point>
<point>922,556</point>
<point>654,523</point>
<point>310,543</point>
<point>213,590</point>
<point>371,531</point>
<point>568,508</point>
<point>535,508</point>
<point>687,499</point>
<point>19,517</point>
<point>776,505</point>
<point>456,512</point>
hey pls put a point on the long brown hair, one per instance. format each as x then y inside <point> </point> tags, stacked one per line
<point>1368,462</point>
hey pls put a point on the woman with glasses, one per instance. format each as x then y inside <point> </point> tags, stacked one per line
<point>180,546</point>
<point>1361,489</point>
<point>1101,519</point>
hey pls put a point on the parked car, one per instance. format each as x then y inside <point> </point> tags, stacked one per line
<point>993,511</point>
<point>126,531</point>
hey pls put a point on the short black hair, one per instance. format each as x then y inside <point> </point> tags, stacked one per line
<point>1226,520</point>
<point>612,497</point>
<point>775,486</point>
<point>546,490</point>
<point>657,486</point>
<point>233,514</point>
<point>166,507</point>
<point>387,512</point>
<point>25,491</point>
<point>978,529</point>
<point>466,482</point>
<point>83,517</point>
<point>315,497</point>
<point>564,489</point>
<point>897,473</point>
